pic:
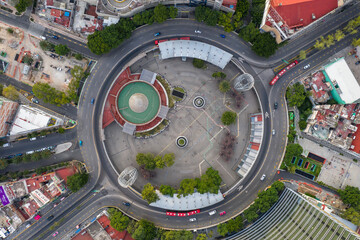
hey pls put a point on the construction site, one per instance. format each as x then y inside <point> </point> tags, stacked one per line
<point>22,58</point>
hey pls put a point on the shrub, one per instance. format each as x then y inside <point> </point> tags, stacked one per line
<point>224,86</point>
<point>228,117</point>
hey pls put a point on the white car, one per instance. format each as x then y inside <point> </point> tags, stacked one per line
<point>43,38</point>
<point>307,66</point>
<point>6,145</point>
<point>263,177</point>
<point>212,212</point>
<point>273,132</point>
<point>197,31</point>
<point>192,219</point>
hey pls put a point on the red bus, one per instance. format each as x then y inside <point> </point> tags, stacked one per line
<point>182,214</point>
<point>282,72</point>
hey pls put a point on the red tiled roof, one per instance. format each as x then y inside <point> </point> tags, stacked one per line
<point>63,20</point>
<point>91,10</point>
<point>49,2</point>
<point>113,233</point>
<point>300,12</point>
<point>356,141</point>
<point>56,13</point>
<point>65,172</point>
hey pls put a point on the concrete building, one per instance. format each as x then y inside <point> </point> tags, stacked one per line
<point>8,110</point>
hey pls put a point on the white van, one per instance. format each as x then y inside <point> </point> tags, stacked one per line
<point>33,139</point>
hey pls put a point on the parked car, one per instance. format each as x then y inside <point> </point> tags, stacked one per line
<point>222,35</point>
<point>307,66</point>
<point>55,37</point>
<point>192,219</point>
<point>6,145</point>
<point>126,204</point>
<point>222,213</point>
<point>55,233</point>
<point>263,177</point>
<point>157,34</point>
<point>197,31</point>
<point>212,212</point>
<point>32,139</point>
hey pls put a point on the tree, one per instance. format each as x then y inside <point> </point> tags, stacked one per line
<point>257,12</point>
<point>222,229</point>
<point>198,63</point>
<point>320,44</point>
<point>177,235</point>
<point>147,160</point>
<point>249,33</point>
<point>144,230</point>
<point>45,154</point>
<point>237,22</point>
<point>61,130</point>
<point>294,149</point>
<point>209,16</point>
<point>78,56</point>
<point>148,193</point>
<point>173,12</point>
<point>187,186</point>
<point>219,75</point>
<point>351,195</point>
<point>201,236</point>
<point>46,46</point>
<point>22,5</point>
<point>161,13</point>
<point>250,215</point>
<point>302,55</point>
<point>62,49</point>
<point>228,117</point>
<point>356,42</point>
<point>302,124</point>
<point>225,20</point>
<point>330,40</point>
<point>279,186</point>
<point>209,182</point>
<point>49,94</point>
<point>235,225</point>
<point>1,89</point>
<point>352,215</point>
<point>77,74</point>
<point>3,163</point>
<point>224,86</point>
<point>159,162</point>
<point>242,7</point>
<point>35,157</point>
<point>296,95</point>
<point>167,190</point>
<point>169,159</point>
<point>77,181</point>
<point>10,92</point>
<point>339,35</point>
<point>264,45</point>
<point>10,30</point>
<point>118,220</point>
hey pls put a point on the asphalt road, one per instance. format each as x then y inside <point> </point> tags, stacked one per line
<point>26,145</point>
<point>110,64</point>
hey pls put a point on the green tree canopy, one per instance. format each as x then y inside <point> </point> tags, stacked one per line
<point>148,193</point>
<point>352,215</point>
<point>49,94</point>
<point>222,229</point>
<point>118,220</point>
<point>169,159</point>
<point>167,190</point>
<point>177,235</point>
<point>264,45</point>
<point>201,236</point>
<point>1,89</point>
<point>294,149</point>
<point>228,117</point>
<point>296,95</point>
<point>351,195</point>
<point>207,15</point>
<point>62,49</point>
<point>3,163</point>
<point>22,5</point>
<point>46,45</point>
<point>198,63</point>
<point>242,7</point>
<point>339,35</point>
<point>224,86</point>
<point>187,186</point>
<point>249,33</point>
<point>302,55</point>
<point>11,93</point>
<point>144,230</point>
<point>161,13</point>
<point>77,74</point>
<point>77,181</point>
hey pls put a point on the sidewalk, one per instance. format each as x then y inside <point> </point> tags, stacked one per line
<point>46,24</point>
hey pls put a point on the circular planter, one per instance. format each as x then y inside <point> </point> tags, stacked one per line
<point>181,142</point>
<point>199,102</point>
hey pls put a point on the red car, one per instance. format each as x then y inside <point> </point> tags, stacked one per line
<point>181,214</point>
<point>171,213</point>
<point>222,213</point>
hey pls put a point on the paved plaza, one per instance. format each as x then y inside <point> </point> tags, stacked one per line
<point>202,127</point>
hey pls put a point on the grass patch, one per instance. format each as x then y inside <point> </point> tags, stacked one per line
<point>307,170</point>
<point>167,89</point>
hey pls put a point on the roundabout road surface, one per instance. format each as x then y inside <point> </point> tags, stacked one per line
<point>102,174</point>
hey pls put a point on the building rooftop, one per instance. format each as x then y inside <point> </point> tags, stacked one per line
<point>8,109</point>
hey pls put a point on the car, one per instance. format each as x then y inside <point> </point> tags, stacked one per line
<point>37,217</point>
<point>80,143</point>
<point>212,212</point>
<point>197,31</point>
<point>43,37</point>
<point>34,100</point>
<point>19,154</point>
<point>92,101</point>
<point>59,69</point>
<point>126,204</point>
<point>30,152</point>
<point>222,35</point>
<point>157,34</point>
<point>50,217</point>
<point>273,132</point>
<point>263,177</point>
<point>55,37</point>
<point>222,213</point>
<point>62,199</point>
<point>6,145</point>
<point>307,66</point>
<point>28,225</point>
<point>192,219</point>
<point>275,105</point>
<point>55,233</point>
<point>32,139</point>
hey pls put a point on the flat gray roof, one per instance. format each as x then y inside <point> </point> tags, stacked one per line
<point>195,49</point>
